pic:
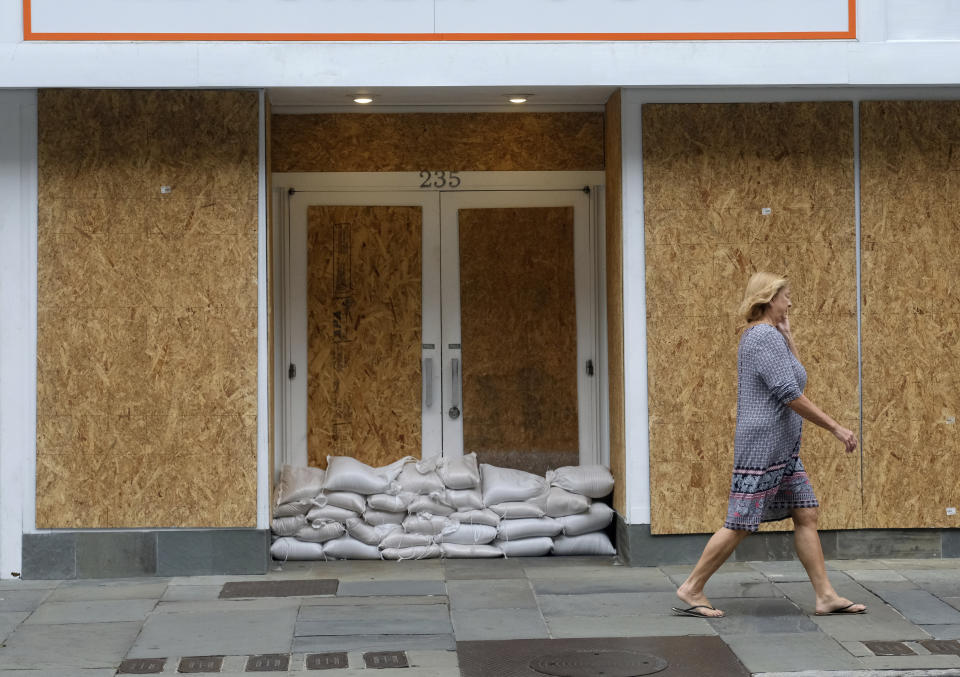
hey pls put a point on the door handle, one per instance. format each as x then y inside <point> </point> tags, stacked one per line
<point>455,389</point>
<point>427,382</point>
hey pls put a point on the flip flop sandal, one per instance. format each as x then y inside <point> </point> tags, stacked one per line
<point>692,611</point>
<point>842,611</point>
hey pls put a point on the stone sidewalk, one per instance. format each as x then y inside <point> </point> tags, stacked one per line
<point>429,610</point>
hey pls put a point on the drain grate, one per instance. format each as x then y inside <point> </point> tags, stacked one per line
<point>141,666</point>
<point>300,588</point>
<point>590,663</point>
<point>941,647</point>
<point>386,659</point>
<point>200,664</point>
<point>268,663</point>
<point>327,661</point>
<point>889,648</point>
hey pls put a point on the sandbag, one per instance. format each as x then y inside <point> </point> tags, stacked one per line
<point>377,517</point>
<point>486,516</point>
<point>526,547</point>
<point>470,534</point>
<point>290,549</point>
<point>399,539</point>
<point>348,474</point>
<point>594,481</point>
<point>460,473</point>
<point>515,530</point>
<point>597,518</point>
<point>329,513</point>
<point>293,508</point>
<point>297,483</point>
<point>433,525</point>
<point>561,503</point>
<point>420,552</point>
<point>516,510</point>
<point>595,543</point>
<point>456,550</point>
<point>346,547</point>
<point>347,500</point>
<point>324,532</point>
<point>368,534</point>
<point>505,484</point>
<point>464,499</point>
<point>391,503</point>
<point>430,505</point>
<point>288,526</point>
<point>412,479</point>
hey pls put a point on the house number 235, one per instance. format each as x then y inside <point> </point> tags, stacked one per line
<point>430,179</point>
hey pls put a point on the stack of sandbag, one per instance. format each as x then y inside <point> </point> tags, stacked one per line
<point>438,508</point>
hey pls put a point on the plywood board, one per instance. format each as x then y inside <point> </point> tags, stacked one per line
<point>364,326</point>
<point>613,252</point>
<point>709,172</point>
<point>518,331</point>
<point>911,194</point>
<point>147,315</point>
<point>411,142</point>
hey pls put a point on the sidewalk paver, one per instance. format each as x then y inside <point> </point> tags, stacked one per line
<point>78,646</point>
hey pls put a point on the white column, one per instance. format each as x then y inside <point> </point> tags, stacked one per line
<point>18,322</point>
<point>263,345</point>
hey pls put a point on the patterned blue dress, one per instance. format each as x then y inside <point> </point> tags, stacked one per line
<point>768,477</point>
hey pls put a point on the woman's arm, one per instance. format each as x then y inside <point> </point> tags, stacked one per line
<point>803,406</point>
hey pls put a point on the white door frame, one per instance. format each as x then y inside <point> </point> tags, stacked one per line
<point>293,190</point>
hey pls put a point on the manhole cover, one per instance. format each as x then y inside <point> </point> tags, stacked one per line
<point>296,588</point>
<point>327,661</point>
<point>141,666</point>
<point>268,663</point>
<point>889,648</point>
<point>200,664</point>
<point>598,663</point>
<point>941,647</point>
<point>385,659</point>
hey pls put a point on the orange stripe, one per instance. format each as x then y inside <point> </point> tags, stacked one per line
<point>849,34</point>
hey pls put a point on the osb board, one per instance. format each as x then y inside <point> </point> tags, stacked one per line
<point>437,141</point>
<point>147,316</point>
<point>910,183</point>
<point>613,196</point>
<point>518,330</point>
<point>364,325</point>
<point>708,171</point>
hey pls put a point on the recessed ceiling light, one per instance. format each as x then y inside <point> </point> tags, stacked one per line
<point>363,99</point>
<point>518,98</point>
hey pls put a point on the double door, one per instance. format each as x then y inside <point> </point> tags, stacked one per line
<point>435,323</point>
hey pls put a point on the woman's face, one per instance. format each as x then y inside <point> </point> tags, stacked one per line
<point>779,305</point>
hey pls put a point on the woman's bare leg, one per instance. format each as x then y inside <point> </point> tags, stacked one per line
<point>718,549</point>
<point>807,541</point>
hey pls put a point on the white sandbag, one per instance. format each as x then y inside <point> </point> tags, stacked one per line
<point>433,525</point>
<point>561,503</point>
<point>290,549</point>
<point>346,547</point>
<point>413,480</point>
<point>347,500</point>
<point>429,505</point>
<point>348,474</point>
<point>526,547</point>
<point>399,539</point>
<point>518,510</point>
<point>594,481</point>
<point>470,534</point>
<point>460,473</point>
<point>595,543</point>
<point>456,550</point>
<point>485,516</point>
<point>297,483</point>
<point>391,503</point>
<point>515,530</point>
<point>597,518</point>
<point>392,470</point>
<point>330,513</point>
<point>366,533</point>
<point>288,526</point>
<point>321,533</point>
<point>293,508</point>
<point>378,517</point>
<point>505,484</point>
<point>464,499</point>
<point>421,552</point>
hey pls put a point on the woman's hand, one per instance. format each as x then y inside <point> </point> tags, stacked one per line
<point>847,437</point>
<point>783,326</point>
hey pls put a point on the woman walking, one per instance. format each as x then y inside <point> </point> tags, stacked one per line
<point>769,482</point>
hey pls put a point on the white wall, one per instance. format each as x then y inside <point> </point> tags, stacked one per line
<point>18,321</point>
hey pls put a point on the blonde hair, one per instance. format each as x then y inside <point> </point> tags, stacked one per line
<point>761,288</point>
